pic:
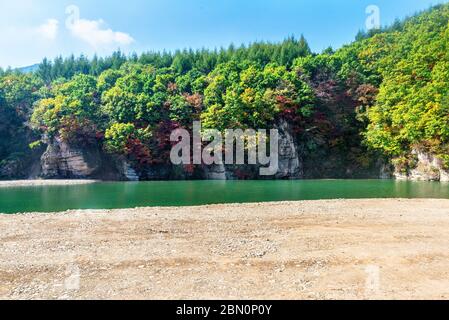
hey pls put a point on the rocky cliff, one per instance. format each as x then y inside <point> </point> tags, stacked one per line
<point>426,167</point>
<point>62,161</point>
<point>290,162</point>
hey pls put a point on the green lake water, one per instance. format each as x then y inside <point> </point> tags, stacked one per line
<point>111,195</point>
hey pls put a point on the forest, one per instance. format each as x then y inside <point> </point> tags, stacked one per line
<point>375,100</point>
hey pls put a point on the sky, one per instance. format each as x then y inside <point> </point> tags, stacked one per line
<point>33,29</point>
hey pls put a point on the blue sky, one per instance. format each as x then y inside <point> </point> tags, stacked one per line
<point>33,29</point>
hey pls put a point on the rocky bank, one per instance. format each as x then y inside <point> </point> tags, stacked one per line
<point>59,160</point>
<point>426,167</point>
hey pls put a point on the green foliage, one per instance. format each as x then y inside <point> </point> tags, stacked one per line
<point>412,106</point>
<point>126,139</point>
<point>110,100</point>
<point>18,93</point>
<point>181,61</point>
<point>35,145</point>
<point>71,112</point>
<point>117,137</point>
<point>247,96</point>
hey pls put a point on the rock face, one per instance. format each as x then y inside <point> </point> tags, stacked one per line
<point>63,161</point>
<point>290,163</point>
<point>159,172</point>
<point>428,168</point>
<point>11,169</point>
<point>217,172</point>
<point>386,171</point>
<point>129,173</point>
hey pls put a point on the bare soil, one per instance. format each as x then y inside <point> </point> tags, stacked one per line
<point>342,249</point>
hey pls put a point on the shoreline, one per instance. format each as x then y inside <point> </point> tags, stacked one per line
<point>327,249</point>
<point>215,207</point>
<point>72,182</point>
<point>43,182</point>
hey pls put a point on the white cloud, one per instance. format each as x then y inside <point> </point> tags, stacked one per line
<point>49,30</point>
<point>22,45</point>
<point>97,35</point>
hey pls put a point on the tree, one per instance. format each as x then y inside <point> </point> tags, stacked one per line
<point>18,93</point>
<point>72,113</point>
<point>412,105</point>
<point>127,140</point>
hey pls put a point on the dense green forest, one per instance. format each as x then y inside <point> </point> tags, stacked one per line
<point>380,97</point>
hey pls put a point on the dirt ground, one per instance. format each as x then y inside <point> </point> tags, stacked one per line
<point>343,249</point>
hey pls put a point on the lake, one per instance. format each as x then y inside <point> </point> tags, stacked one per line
<point>112,195</point>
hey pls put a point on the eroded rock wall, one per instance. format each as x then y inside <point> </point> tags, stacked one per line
<point>290,162</point>
<point>427,168</point>
<point>63,161</point>
<point>290,156</point>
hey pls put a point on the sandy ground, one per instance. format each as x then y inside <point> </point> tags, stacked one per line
<point>33,183</point>
<point>345,249</point>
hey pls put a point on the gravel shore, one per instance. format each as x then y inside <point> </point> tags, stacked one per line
<point>34,183</point>
<point>342,249</point>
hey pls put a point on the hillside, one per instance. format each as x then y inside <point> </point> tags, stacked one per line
<point>29,69</point>
<point>376,107</point>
